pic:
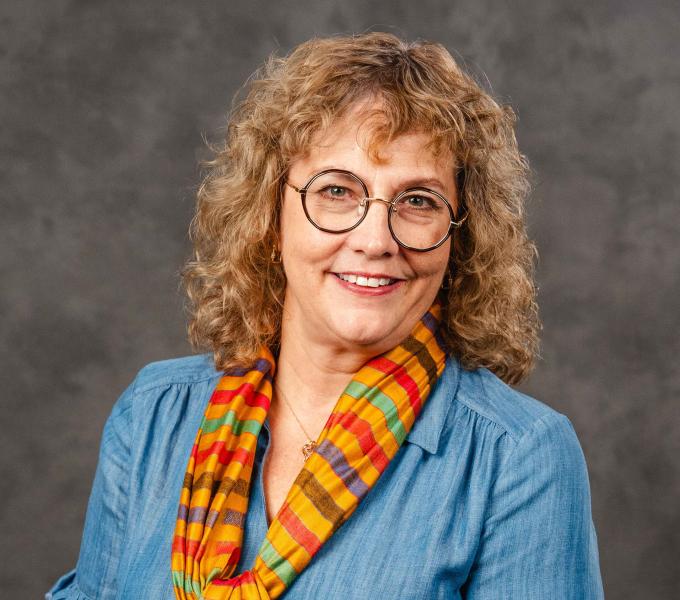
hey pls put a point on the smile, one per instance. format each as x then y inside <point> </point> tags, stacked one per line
<point>365,281</point>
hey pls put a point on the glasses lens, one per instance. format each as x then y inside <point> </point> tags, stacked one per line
<point>420,219</point>
<point>334,201</point>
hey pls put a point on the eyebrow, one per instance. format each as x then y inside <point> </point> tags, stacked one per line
<point>412,182</point>
<point>428,182</point>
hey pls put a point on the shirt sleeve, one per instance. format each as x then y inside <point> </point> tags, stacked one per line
<point>539,540</point>
<point>95,576</point>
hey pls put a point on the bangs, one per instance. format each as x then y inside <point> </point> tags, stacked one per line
<point>382,118</point>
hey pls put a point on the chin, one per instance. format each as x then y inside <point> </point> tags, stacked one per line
<point>367,333</point>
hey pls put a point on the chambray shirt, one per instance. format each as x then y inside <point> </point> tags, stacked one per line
<point>488,498</point>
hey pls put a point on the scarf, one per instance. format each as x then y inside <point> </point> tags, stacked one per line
<point>369,423</point>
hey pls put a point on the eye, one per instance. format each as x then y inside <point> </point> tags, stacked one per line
<point>419,202</point>
<point>335,191</point>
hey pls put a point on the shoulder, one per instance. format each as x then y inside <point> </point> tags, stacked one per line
<point>512,412</point>
<point>162,383</point>
<point>514,431</point>
<point>513,441</point>
<point>489,419</point>
<point>184,370</point>
<point>157,416</point>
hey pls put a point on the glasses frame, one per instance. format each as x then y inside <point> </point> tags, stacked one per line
<point>366,203</point>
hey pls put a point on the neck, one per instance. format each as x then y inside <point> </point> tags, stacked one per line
<point>312,375</point>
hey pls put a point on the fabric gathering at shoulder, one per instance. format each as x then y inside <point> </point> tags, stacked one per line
<point>186,369</point>
<point>513,411</point>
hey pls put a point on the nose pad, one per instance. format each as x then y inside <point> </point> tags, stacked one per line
<point>380,240</point>
<point>362,206</point>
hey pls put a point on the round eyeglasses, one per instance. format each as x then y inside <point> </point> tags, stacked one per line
<point>337,201</point>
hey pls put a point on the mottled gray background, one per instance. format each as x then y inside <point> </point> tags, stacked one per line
<point>103,108</point>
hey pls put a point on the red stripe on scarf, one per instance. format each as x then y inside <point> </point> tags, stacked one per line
<point>178,544</point>
<point>363,433</point>
<point>229,548</point>
<point>251,397</point>
<point>298,531</point>
<point>402,378</point>
<point>224,455</point>
<point>192,547</point>
<point>243,578</point>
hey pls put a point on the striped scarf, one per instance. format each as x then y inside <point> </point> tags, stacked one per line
<point>363,433</point>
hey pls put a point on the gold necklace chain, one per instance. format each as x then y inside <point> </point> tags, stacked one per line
<point>310,445</point>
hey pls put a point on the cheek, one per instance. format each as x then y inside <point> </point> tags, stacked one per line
<point>432,265</point>
<point>288,227</point>
<point>297,233</point>
<point>305,250</point>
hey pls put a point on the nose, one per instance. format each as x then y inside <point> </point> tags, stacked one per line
<point>373,236</point>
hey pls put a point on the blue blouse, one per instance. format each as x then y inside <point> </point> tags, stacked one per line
<point>488,498</point>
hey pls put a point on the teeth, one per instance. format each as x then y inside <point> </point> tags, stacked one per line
<point>365,281</point>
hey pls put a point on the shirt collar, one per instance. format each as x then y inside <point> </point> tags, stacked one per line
<point>429,425</point>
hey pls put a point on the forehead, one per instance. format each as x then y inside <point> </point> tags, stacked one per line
<point>363,137</point>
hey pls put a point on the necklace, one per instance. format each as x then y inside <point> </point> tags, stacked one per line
<point>309,445</point>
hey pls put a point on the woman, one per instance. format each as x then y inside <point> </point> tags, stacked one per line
<point>364,281</point>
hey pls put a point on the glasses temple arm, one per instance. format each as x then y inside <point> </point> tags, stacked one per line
<point>297,189</point>
<point>460,221</point>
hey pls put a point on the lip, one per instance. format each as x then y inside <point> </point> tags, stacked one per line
<point>361,290</point>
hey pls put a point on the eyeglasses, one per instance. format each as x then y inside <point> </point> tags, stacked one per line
<point>337,201</point>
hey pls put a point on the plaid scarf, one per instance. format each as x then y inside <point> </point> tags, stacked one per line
<point>363,433</point>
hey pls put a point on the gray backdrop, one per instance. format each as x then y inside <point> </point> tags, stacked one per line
<point>103,109</point>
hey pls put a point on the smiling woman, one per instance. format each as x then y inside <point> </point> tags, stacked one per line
<point>363,281</point>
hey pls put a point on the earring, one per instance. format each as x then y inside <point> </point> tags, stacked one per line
<point>447,281</point>
<point>275,258</point>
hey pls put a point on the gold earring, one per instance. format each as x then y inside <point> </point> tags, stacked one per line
<point>447,281</point>
<point>275,258</point>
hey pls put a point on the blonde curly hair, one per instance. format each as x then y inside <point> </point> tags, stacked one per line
<point>234,289</point>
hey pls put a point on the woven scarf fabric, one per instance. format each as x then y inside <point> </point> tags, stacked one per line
<point>363,433</point>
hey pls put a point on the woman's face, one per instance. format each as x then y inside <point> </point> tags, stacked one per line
<point>320,304</point>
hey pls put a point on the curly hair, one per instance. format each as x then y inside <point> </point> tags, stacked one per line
<point>234,288</point>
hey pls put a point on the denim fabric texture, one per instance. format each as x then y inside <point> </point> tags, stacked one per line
<point>488,498</point>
